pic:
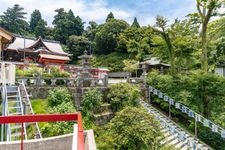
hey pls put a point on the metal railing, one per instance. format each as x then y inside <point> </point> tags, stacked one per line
<point>47,118</point>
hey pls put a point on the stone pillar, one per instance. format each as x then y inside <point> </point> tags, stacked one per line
<point>106,79</point>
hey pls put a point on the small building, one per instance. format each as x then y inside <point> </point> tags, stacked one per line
<point>153,63</point>
<point>32,50</point>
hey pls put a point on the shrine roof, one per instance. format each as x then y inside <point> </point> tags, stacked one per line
<point>29,43</point>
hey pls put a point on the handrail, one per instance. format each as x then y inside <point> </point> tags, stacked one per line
<point>31,109</point>
<point>48,118</point>
<point>22,112</point>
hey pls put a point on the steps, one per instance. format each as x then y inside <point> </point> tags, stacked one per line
<point>12,106</point>
<point>16,102</point>
<point>103,115</point>
<point>174,135</point>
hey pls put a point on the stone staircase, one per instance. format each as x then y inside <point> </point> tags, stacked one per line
<point>103,115</point>
<point>175,135</point>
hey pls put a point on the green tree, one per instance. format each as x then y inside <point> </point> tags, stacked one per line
<point>66,24</point>
<point>109,17</point>
<point>123,94</point>
<point>77,45</point>
<point>91,30</point>
<point>40,29</point>
<point>135,23</point>
<point>161,28</point>
<point>107,37</point>
<point>134,128</point>
<point>13,19</point>
<point>206,10</point>
<point>35,18</point>
<point>130,65</point>
<point>175,44</point>
<point>136,41</point>
<point>37,24</point>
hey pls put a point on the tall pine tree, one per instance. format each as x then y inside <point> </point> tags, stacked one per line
<point>66,24</point>
<point>13,19</point>
<point>109,17</point>
<point>37,24</point>
<point>135,23</point>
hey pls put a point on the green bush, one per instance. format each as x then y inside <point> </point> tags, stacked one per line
<point>132,128</point>
<point>123,94</point>
<point>59,128</point>
<point>57,72</point>
<point>58,95</point>
<point>113,61</point>
<point>91,101</point>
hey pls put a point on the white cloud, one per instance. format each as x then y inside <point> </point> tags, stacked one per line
<point>97,10</point>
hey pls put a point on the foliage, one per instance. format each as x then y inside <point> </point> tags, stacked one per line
<point>134,128</point>
<point>31,71</point>
<point>130,65</point>
<point>203,93</point>
<point>136,41</point>
<point>37,24</point>
<point>135,23</point>
<point>113,61</point>
<point>34,71</point>
<point>39,106</point>
<point>13,19</point>
<point>91,102</point>
<point>57,96</point>
<point>59,101</point>
<point>123,94</point>
<point>176,44</point>
<point>206,10</point>
<point>106,37</point>
<point>57,72</point>
<point>77,45</point>
<point>109,17</point>
<point>66,24</point>
<point>59,128</point>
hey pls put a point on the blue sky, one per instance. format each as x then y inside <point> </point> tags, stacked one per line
<point>97,10</point>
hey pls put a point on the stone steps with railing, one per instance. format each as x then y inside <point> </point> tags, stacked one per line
<point>174,134</point>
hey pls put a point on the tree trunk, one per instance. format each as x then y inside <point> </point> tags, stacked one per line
<point>204,57</point>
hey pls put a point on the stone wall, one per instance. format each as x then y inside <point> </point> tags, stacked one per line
<point>76,92</point>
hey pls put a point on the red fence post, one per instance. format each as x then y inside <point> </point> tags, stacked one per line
<point>80,139</point>
<point>21,144</point>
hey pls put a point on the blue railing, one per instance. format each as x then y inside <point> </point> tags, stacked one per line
<point>198,118</point>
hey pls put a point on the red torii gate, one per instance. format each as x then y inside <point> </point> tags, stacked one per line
<point>47,118</point>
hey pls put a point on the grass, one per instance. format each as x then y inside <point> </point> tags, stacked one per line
<point>40,106</point>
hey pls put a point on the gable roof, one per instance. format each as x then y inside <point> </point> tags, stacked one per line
<point>8,37</point>
<point>30,43</point>
<point>154,61</point>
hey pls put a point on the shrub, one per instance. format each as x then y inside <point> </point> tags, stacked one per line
<point>57,72</point>
<point>123,94</point>
<point>58,95</point>
<point>134,128</point>
<point>91,101</point>
<point>59,128</point>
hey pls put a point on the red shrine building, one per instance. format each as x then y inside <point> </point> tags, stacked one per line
<point>31,50</point>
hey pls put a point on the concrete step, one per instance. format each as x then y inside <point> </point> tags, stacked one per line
<point>102,118</point>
